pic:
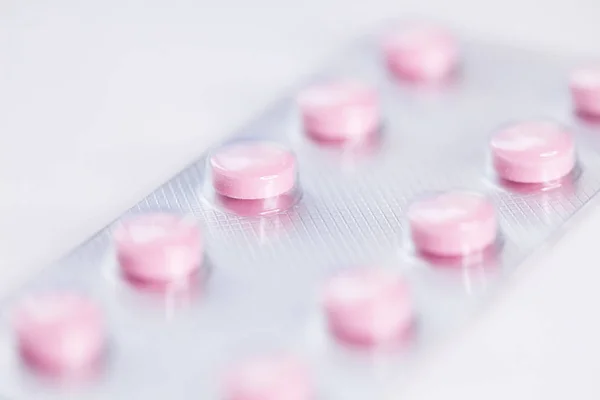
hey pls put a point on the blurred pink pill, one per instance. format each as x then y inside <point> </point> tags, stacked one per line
<point>533,152</point>
<point>368,307</point>
<point>159,247</point>
<point>421,53</point>
<point>270,378</point>
<point>585,90</point>
<point>342,111</point>
<point>452,224</point>
<point>253,170</point>
<point>60,331</point>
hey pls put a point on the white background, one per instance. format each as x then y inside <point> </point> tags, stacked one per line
<point>100,103</point>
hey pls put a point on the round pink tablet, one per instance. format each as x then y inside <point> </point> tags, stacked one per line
<point>368,307</point>
<point>421,53</point>
<point>533,152</point>
<point>60,332</point>
<point>159,247</point>
<point>270,378</point>
<point>453,224</point>
<point>340,111</point>
<point>253,170</point>
<point>585,90</point>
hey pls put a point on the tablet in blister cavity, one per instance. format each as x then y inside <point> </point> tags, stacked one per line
<point>158,247</point>
<point>340,112</point>
<point>320,251</point>
<point>252,178</point>
<point>585,90</point>
<point>453,224</point>
<point>368,307</point>
<point>60,333</point>
<point>269,377</point>
<point>422,54</point>
<point>533,152</point>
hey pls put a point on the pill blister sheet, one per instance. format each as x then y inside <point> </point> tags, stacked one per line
<point>264,273</point>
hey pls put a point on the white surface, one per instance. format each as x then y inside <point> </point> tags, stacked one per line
<point>101,103</point>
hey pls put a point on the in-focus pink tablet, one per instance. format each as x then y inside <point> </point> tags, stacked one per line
<point>159,247</point>
<point>340,112</point>
<point>533,152</point>
<point>59,332</point>
<point>452,224</point>
<point>368,307</point>
<point>253,170</point>
<point>585,90</point>
<point>270,378</point>
<point>421,53</point>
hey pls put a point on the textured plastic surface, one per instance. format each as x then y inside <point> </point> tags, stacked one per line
<point>265,273</point>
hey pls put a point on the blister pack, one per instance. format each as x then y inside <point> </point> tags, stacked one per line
<point>325,248</point>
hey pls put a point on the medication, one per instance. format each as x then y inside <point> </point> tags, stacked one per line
<point>253,170</point>
<point>58,332</point>
<point>368,307</point>
<point>452,224</point>
<point>275,377</point>
<point>158,248</point>
<point>340,111</point>
<point>355,223</point>
<point>533,152</point>
<point>585,90</point>
<point>421,54</point>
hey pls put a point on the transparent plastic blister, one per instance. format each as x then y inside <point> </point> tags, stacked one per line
<point>323,204</point>
<point>273,190</point>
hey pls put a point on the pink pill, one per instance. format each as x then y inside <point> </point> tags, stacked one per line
<point>452,224</point>
<point>422,53</point>
<point>533,152</point>
<point>585,90</point>
<point>368,307</point>
<point>60,332</point>
<point>159,247</point>
<point>270,378</point>
<point>340,111</point>
<point>253,170</point>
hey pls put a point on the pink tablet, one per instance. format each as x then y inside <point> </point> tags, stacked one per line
<point>452,224</point>
<point>159,247</point>
<point>340,111</point>
<point>368,307</point>
<point>421,53</point>
<point>533,152</point>
<point>585,90</point>
<point>270,378</point>
<point>60,331</point>
<point>253,170</point>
